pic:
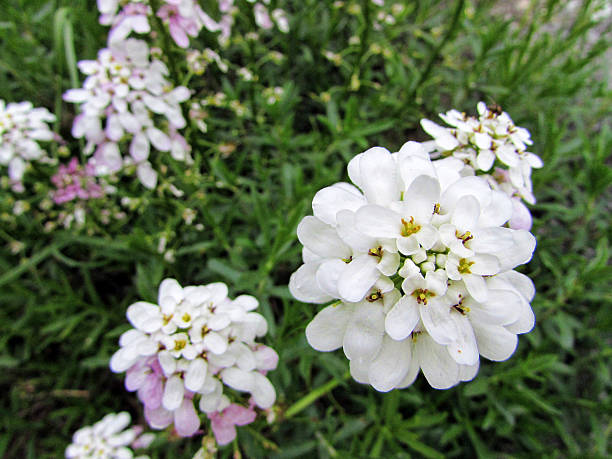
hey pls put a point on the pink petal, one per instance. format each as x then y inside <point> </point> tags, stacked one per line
<point>239,415</point>
<point>224,431</point>
<point>186,420</point>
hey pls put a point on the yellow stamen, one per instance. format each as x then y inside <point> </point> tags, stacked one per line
<point>409,228</point>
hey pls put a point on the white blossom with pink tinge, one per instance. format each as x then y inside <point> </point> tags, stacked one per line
<point>127,98</point>
<point>186,348</point>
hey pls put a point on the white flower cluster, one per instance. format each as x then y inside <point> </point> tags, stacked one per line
<point>490,140</point>
<point>422,264</point>
<point>189,345</point>
<point>127,97</point>
<point>107,439</point>
<point>21,128</point>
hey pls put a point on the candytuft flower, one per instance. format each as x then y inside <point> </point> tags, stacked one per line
<point>108,438</point>
<point>74,181</point>
<point>127,98</point>
<point>22,127</point>
<point>186,348</point>
<point>490,142</point>
<point>422,265</point>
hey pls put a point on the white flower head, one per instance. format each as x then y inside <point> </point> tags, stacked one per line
<point>108,439</point>
<point>187,347</point>
<point>490,144</point>
<point>22,127</point>
<point>414,252</point>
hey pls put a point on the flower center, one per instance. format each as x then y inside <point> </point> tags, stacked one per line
<point>464,266</point>
<point>375,296</point>
<point>409,228</point>
<point>180,344</point>
<point>377,252</point>
<point>464,237</point>
<point>422,295</point>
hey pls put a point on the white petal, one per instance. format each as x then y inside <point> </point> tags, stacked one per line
<point>350,235</point>
<point>525,321</point>
<point>160,140</point>
<point>155,104</point>
<point>304,287</point>
<point>378,222</point>
<point>123,359</point>
<point>215,342</point>
<point>114,130</point>
<point>359,370</point>
<point>444,139</point>
<point>402,318</point>
<point>146,175</point>
<point>494,342</point>
<point>129,122</point>
<point>139,147</point>
<point>321,238</point>
<point>262,391</point>
<point>145,316</point>
<point>440,370</point>
<point>238,379</point>
<point>328,275</point>
<point>413,371</point>
<point>326,331</point>
<point>466,213</point>
<point>466,186</point>
<point>195,374</point>
<point>437,321</point>
<point>358,277</point>
<point>389,262</point>
<point>485,265</point>
<point>391,364</point>
<point>331,200</point>
<point>521,253</point>
<point>476,286</point>
<point>427,236</point>
<point>468,372</point>
<point>498,211</point>
<point>463,350</point>
<point>170,288</point>
<point>364,332</point>
<point>379,176</point>
<point>167,362</point>
<point>501,308</point>
<point>492,240</point>
<point>173,393</point>
<point>482,141</point>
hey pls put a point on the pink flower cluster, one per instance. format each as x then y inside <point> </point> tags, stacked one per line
<point>74,181</point>
<point>185,18</point>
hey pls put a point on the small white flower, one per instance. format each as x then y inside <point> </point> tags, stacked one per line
<point>22,127</point>
<point>107,438</point>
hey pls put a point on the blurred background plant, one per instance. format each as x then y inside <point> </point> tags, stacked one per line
<point>273,118</point>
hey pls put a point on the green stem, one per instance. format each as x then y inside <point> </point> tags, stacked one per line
<point>309,399</point>
<point>436,52</point>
